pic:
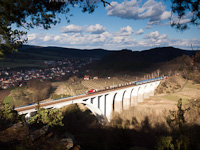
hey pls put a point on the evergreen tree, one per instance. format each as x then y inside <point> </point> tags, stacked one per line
<point>8,113</point>
<point>51,117</point>
<point>182,8</point>
<point>180,138</point>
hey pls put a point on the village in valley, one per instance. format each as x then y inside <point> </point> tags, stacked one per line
<point>54,70</point>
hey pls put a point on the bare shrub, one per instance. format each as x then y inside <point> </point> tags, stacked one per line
<point>73,79</point>
<point>134,118</point>
<point>170,85</point>
<point>40,90</point>
<point>192,116</point>
<point>116,120</point>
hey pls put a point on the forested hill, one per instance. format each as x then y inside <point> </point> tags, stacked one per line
<point>60,52</point>
<point>122,60</point>
<point>127,60</point>
<point>109,56</point>
<point>154,55</point>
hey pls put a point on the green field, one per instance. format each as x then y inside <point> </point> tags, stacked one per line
<point>175,97</point>
<point>9,100</point>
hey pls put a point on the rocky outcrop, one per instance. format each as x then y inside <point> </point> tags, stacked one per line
<point>68,140</point>
<point>38,133</point>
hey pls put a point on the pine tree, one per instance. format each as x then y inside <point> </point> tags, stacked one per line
<point>51,117</point>
<point>179,139</point>
<point>8,113</point>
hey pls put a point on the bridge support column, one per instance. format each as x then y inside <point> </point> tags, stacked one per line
<point>126,103</point>
<point>147,91</point>
<point>118,101</point>
<point>134,100</point>
<point>146,95</point>
<point>127,100</point>
<point>94,101</point>
<point>151,93</point>
<point>108,106</point>
<point>28,116</point>
<point>118,106</point>
<point>153,88</point>
<point>140,98</point>
<point>140,95</point>
<point>101,101</point>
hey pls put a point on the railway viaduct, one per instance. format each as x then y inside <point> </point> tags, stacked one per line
<point>103,103</point>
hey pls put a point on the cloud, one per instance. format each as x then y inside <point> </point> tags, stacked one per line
<point>96,29</point>
<point>71,29</point>
<point>123,38</point>
<point>57,38</point>
<point>126,31</point>
<point>149,27</point>
<point>127,9</point>
<point>93,29</point>
<point>185,43</point>
<point>154,38</point>
<point>47,38</point>
<point>31,36</point>
<point>163,36</point>
<point>184,21</point>
<point>141,31</point>
<point>152,10</point>
<point>153,22</point>
<point>152,35</point>
<point>165,15</point>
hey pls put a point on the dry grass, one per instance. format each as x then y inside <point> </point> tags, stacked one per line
<point>155,110</point>
<point>3,94</point>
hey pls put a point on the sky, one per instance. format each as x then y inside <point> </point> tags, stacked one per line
<point>126,24</point>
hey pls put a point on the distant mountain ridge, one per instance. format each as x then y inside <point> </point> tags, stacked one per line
<point>158,54</point>
<point>118,60</point>
<point>65,52</point>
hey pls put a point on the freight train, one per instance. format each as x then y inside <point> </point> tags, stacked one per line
<point>150,80</point>
<point>128,83</point>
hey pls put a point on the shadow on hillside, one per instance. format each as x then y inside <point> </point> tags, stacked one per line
<point>90,135</point>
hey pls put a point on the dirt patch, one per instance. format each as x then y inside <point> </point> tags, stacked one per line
<point>61,89</point>
<point>192,93</point>
<point>3,94</point>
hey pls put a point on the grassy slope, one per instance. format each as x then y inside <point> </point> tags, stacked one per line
<point>8,100</point>
<point>187,91</point>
